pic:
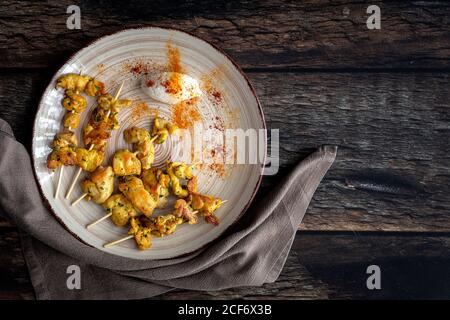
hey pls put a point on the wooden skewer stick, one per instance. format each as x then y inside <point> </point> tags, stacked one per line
<point>77,175</point>
<point>75,178</point>
<point>106,216</point>
<point>119,91</point>
<point>113,243</point>
<point>84,195</point>
<point>58,185</point>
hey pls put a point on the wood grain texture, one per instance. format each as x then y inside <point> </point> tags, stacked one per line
<point>320,266</point>
<point>392,126</point>
<point>14,278</point>
<point>269,33</point>
<point>392,171</point>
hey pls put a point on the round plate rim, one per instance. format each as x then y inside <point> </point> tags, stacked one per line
<point>91,43</point>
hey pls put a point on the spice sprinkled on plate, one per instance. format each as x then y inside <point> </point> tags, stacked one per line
<point>142,109</point>
<point>185,113</point>
<point>174,59</point>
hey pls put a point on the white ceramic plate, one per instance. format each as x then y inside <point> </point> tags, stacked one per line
<point>229,102</point>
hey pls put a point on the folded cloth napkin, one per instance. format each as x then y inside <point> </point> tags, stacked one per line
<point>253,252</point>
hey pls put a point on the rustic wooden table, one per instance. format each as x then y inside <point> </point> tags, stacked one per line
<point>324,78</point>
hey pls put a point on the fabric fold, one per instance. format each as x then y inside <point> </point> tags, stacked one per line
<point>253,252</point>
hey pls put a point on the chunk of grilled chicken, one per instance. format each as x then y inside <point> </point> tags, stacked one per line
<point>142,234</point>
<point>120,208</point>
<point>162,128</point>
<point>150,177</point>
<point>98,129</point>
<point>143,229</point>
<point>94,87</point>
<point>65,138</point>
<point>165,225</point>
<point>100,185</point>
<point>192,185</point>
<point>89,160</point>
<point>73,81</point>
<point>157,184</point>
<point>96,135</point>
<point>71,120</point>
<point>61,156</point>
<point>80,83</point>
<point>143,145</point>
<point>107,103</point>
<point>64,150</point>
<point>175,183</point>
<point>133,189</point>
<point>126,163</point>
<point>183,210</point>
<point>181,170</point>
<point>206,205</point>
<point>104,118</point>
<point>74,101</point>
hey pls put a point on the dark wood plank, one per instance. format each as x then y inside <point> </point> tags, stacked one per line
<point>392,171</point>
<point>14,280</point>
<point>19,95</point>
<point>320,266</point>
<point>269,33</point>
<point>412,267</point>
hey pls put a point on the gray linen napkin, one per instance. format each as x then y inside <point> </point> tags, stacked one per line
<point>250,254</point>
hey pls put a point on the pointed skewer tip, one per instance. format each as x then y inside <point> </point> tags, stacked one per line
<point>119,91</point>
